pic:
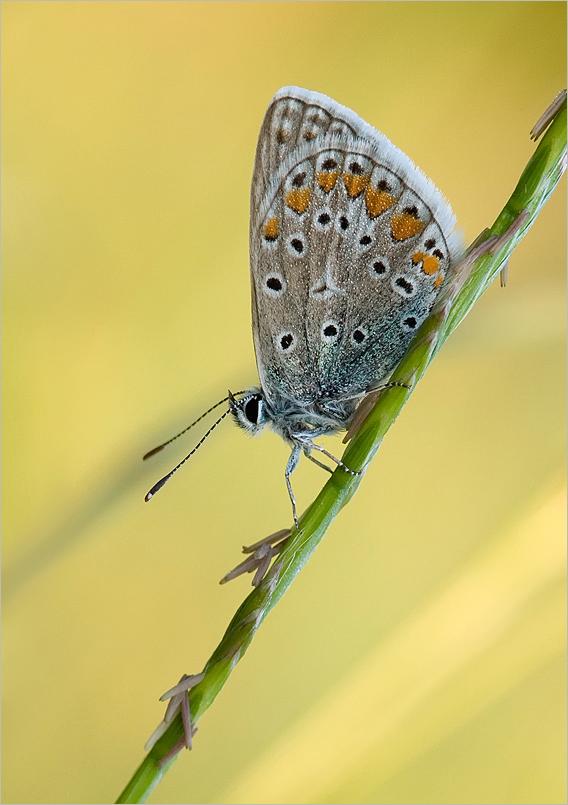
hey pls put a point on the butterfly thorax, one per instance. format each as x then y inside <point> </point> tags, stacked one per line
<point>294,420</point>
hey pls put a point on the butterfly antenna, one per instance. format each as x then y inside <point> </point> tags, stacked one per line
<point>161,446</point>
<point>167,477</point>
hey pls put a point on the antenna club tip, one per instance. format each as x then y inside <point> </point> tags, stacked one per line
<point>158,486</point>
<point>153,452</point>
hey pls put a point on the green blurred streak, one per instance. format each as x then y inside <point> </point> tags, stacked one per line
<point>64,535</point>
<point>124,475</point>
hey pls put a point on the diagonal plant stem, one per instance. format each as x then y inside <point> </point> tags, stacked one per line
<point>537,182</point>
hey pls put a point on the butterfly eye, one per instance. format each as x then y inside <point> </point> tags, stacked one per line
<point>252,409</point>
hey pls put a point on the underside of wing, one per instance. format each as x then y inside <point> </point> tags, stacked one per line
<point>350,246</point>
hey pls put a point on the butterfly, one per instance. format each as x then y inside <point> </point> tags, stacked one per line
<point>350,246</point>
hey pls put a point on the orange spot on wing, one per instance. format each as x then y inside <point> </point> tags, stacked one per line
<point>439,280</point>
<point>355,184</point>
<point>298,200</point>
<point>378,201</point>
<point>430,263</point>
<point>327,180</point>
<point>405,226</point>
<point>271,229</point>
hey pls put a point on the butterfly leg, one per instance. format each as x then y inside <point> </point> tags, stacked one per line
<point>337,461</point>
<point>308,454</point>
<point>290,467</point>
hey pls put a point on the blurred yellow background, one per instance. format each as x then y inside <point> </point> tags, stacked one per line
<point>419,656</point>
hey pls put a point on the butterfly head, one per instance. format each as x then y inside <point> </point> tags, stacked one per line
<point>251,411</point>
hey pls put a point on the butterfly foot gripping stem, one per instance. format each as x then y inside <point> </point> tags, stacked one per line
<point>336,460</point>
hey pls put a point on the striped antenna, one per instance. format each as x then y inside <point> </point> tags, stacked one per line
<point>167,477</point>
<point>213,407</point>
